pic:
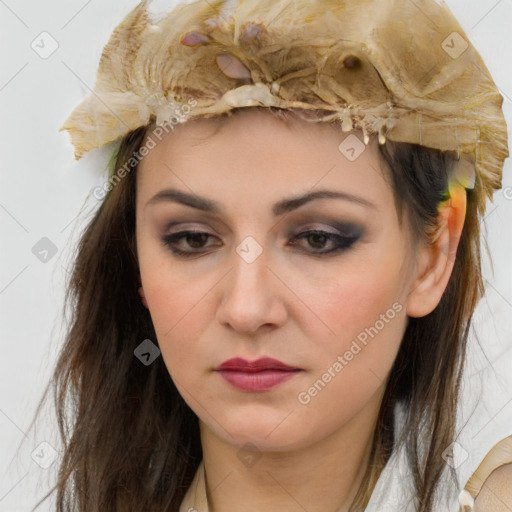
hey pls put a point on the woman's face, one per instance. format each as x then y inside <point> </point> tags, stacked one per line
<point>253,283</point>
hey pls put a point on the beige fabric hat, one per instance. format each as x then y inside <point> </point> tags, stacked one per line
<point>401,69</point>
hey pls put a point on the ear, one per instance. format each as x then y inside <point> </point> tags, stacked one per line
<point>435,259</point>
<point>142,295</point>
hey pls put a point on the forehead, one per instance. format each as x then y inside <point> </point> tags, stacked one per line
<point>254,153</point>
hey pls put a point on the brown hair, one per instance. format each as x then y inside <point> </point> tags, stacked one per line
<point>131,442</point>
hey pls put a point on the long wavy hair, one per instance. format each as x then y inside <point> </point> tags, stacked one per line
<point>131,443</point>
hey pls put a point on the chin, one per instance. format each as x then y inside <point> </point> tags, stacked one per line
<point>267,431</point>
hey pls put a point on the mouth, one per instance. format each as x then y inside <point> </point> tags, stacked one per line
<point>256,376</point>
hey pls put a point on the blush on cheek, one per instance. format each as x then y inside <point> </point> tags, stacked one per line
<point>175,318</point>
<point>352,304</point>
<point>367,318</point>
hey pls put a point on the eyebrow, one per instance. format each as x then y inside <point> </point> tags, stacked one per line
<point>279,208</point>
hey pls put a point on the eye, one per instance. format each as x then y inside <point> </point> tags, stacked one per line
<point>317,239</point>
<point>194,239</point>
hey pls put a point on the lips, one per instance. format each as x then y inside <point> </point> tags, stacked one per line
<point>264,363</point>
<point>255,376</point>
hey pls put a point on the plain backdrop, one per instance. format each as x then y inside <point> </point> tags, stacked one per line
<point>43,189</point>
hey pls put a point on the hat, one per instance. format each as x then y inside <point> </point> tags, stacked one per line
<point>400,69</point>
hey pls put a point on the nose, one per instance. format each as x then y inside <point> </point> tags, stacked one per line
<point>253,296</point>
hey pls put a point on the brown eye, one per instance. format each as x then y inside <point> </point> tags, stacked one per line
<point>196,240</point>
<point>192,239</point>
<point>317,240</point>
<point>352,62</point>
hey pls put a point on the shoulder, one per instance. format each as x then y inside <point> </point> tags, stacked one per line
<point>496,492</point>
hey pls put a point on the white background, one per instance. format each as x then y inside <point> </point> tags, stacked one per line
<point>43,190</point>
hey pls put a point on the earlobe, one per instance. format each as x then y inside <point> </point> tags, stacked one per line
<point>436,259</point>
<point>143,297</point>
<point>141,294</point>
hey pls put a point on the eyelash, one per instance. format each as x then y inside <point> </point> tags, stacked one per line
<point>344,243</point>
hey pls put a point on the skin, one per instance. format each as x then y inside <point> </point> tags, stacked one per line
<point>289,303</point>
<point>496,492</point>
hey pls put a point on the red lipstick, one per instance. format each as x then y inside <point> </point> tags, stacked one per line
<point>255,376</point>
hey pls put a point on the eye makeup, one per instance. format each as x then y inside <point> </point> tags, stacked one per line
<point>191,243</point>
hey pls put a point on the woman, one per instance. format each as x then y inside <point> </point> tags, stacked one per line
<point>296,195</point>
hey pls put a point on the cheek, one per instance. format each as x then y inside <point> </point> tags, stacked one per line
<point>175,298</point>
<point>364,294</point>
<point>179,312</point>
<point>358,327</point>
<point>351,360</point>
<point>179,309</point>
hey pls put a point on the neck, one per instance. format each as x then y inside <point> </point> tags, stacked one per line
<point>324,476</point>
